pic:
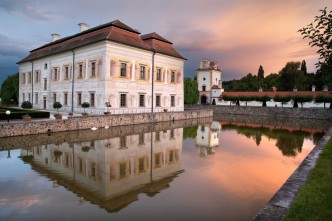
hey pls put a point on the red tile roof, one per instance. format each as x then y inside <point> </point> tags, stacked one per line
<point>215,87</point>
<point>160,45</point>
<point>115,31</point>
<point>274,93</point>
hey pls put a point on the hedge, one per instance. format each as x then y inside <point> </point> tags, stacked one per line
<point>18,113</point>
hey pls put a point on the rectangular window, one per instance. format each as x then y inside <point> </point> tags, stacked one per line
<point>80,71</point>
<point>122,168</point>
<point>37,76</point>
<point>66,72</point>
<point>123,70</point>
<point>29,97</point>
<point>123,100</point>
<point>158,74</point>
<point>54,97</point>
<point>65,98</point>
<point>123,142</point>
<point>29,77</point>
<point>36,98</point>
<point>141,164</point>
<point>79,98</point>
<point>142,73</point>
<point>172,133</point>
<point>45,84</point>
<point>173,76</point>
<point>172,101</point>
<point>93,169</point>
<point>157,160</point>
<point>157,136</point>
<point>203,88</point>
<point>93,69</point>
<point>55,74</point>
<point>92,99</point>
<point>23,96</point>
<point>23,78</point>
<point>158,101</point>
<point>141,100</point>
<point>141,139</point>
<point>45,66</point>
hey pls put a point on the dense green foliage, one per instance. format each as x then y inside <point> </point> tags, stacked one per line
<point>302,99</point>
<point>288,142</point>
<point>190,132</point>
<point>57,105</point>
<point>314,200</point>
<point>9,90</point>
<point>260,73</point>
<point>16,113</point>
<point>191,93</point>
<point>85,105</point>
<point>26,105</point>
<point>319,34</point>
<point>324,99</point>
<point>291,77</point>
<point>282,99</point>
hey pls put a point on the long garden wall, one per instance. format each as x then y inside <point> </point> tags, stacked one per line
<point>79,123</point>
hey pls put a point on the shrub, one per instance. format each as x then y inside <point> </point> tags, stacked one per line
<point>85,105</point>
<point>26,105</point>
<point>301,99</point>
<point>282,99</point>
<point>263,99</point>
<point>57,105</point>
<point>324,99</point>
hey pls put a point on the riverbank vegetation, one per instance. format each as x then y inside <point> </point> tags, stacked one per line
<point>314,201</point>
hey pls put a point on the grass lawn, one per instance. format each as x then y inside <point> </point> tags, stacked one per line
<point>314,201</point>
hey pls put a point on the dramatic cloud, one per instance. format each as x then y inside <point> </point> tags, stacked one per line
<point>240,35</point>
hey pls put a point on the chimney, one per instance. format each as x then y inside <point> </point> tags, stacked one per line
<point>55,37</point>
<point>83,27</point>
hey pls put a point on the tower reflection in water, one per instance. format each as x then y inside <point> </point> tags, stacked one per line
<point>207,138</point>
<point>111,172</point>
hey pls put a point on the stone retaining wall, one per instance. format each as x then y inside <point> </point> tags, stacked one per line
<point>276,112</point>
<point>79,123</point>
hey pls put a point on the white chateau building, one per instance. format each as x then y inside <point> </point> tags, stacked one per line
<point>209,82</point>
<point>108,63</point>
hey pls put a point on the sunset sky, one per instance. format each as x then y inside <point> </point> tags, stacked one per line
<point>240,35</point>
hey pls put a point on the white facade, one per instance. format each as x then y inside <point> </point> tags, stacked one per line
<point>114,167</point>
<point>209,81</point>
<point>208,138</point>
<point>104,71</point>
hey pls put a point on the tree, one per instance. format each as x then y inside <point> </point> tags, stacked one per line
<point>85,105</point>
<point>282,99</point>
<point>9,90</point>
<point>191,93</point>
<point>324,99</point>
<point>263,99</point>
<point>260,73</point>
<point>301,99</point>
<point>320,35</point>
<point>272,80</point>
<point>57,105</point>
<point>26,105</point>
<point>304,67</point>
<point>291,76</point>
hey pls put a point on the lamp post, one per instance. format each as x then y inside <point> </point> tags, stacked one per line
<point>8,115</point>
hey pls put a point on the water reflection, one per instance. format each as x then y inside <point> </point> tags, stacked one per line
<point>289,141</point>
<point>111,172</point>
<point>207,138</point>
<point>206,170</point>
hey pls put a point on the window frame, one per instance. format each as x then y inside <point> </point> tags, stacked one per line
<point>158,100</point>
<point>123,100</point>
<point>123,70</point>
<point>142,72</point>
<point>141,100</point>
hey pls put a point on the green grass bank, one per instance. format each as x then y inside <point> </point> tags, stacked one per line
<point>314,201</point>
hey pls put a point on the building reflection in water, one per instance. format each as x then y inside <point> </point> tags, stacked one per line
<point>111,172</point>
<point>207,138</point>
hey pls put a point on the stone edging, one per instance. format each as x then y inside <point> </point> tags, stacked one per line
<point>278,205</point>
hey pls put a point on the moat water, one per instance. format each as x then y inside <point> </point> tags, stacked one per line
<point>211,171</point>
